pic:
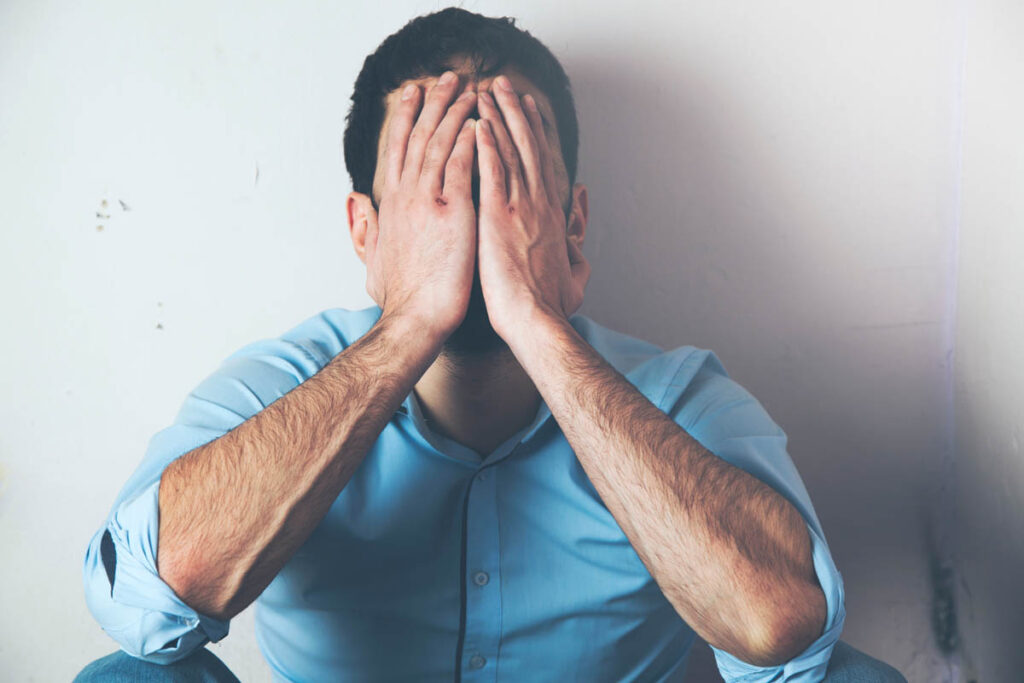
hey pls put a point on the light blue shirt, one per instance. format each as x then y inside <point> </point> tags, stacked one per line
<point>433,563</point>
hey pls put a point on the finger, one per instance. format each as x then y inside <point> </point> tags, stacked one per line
<point>505,147</point>
<point>458,171</point>
<point>439,149</point>
<point>434,107</point>
<point>398,133</point>
<point>492,168</point>
<point>372,236</point>
<point>519,128</point>
<point>547,163</point>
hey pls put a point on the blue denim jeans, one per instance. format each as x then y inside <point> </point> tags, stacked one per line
<point>202,666</point>
<point>848,665</point>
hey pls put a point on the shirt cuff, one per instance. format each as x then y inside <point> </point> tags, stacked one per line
<point>140,611</point>
<point>812,663</point>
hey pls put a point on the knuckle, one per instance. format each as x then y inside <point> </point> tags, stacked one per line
<point>431,151</point>
<point>406,205</point>
<point>431,163</point>
<point>418,135</point>
<point>457,165</point>
<point>497,169</point>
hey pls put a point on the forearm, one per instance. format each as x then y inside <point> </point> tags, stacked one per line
<point>731,554</point>
<point>233,511</point>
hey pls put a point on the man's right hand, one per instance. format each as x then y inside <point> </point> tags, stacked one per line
<point>421,249</point>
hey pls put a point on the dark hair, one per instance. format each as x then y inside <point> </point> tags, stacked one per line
<point>425,47</point>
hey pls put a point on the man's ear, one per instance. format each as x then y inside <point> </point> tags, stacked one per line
<point>362,221</point>
<point>576,226</point>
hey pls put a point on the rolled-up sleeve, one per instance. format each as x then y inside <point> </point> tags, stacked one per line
<point>127,596</point>
<point>123,589</point>
<point>728,421</point>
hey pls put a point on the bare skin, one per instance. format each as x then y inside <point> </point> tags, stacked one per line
<point>234,511</point>
<point>730,554</point>
<point>476,400</point>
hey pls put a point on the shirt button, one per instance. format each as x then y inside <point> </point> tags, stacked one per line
<point>477,662</point>
<point>481,578</point>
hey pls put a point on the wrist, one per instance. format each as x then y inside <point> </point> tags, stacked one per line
<point>533,324</point>
<point>414,329</point>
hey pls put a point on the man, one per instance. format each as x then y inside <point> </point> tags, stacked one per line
<point>469,480</point>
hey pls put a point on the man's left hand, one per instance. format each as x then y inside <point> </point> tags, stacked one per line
<point>527,265</point>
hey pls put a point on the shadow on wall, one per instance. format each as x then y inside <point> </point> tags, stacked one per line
<point>701,234</point>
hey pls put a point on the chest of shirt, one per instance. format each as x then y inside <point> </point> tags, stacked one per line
<point>430,549</point>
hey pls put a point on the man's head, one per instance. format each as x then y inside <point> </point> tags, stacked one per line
<point>478,48</point>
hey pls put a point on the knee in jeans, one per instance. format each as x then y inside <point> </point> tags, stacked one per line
<point>119,667</point>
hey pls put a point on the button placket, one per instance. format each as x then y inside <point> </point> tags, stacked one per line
<point>483,597</point>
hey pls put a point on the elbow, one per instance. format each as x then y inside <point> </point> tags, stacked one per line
<point>191,583</point>
<point>203,600</point>
<point>790,631</point>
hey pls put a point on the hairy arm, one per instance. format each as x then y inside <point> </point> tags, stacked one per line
<point>234,511</point>
<point>731,554</point>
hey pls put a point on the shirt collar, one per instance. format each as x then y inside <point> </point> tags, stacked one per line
<point>411,410</point>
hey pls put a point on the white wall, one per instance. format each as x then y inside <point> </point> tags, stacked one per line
<point>989,357</point>
<point>775,181</point>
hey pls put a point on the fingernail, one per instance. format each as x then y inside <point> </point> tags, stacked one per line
<point>467,124</point>
<point>469,94</point>
<point>503,83</point>
<point>408,92</point>
<point>530,102</point>
<point>446,78</point>
<point>485,97</point>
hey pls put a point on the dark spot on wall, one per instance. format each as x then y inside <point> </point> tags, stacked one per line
<point>104,214</point>
<point>943,580</point>
<point>159,326</point>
